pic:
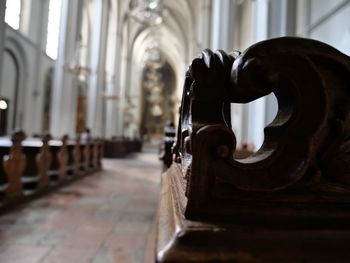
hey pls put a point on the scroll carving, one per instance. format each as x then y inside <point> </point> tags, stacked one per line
<point>306,148</point>
<point>44,161</point>
<point>63,159</point>
<point>14,165</point>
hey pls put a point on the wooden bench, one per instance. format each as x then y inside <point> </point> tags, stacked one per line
<point>5,146</point>
<point>119,148</point>
<point>84,147</point>
<point>165,148</point>
<point>32,165</point>
<point>289,201</point>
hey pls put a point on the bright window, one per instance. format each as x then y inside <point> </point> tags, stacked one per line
<point>53,28</point>
<point>13,13</point>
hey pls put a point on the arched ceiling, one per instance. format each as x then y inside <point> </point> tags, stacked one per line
<point>174,37</point>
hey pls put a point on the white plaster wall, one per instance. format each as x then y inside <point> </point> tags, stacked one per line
<point>46,64</point>
<point>320,8</point>
<point>31,82</point>
<point>335,30</point>
<point>65,83</point>
<point>35,28</point>
<point>8,85</point>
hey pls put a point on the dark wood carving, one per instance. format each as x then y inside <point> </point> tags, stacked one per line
<point>70,167</point>
<point>54,171</point>
<point>63,159</point>
<point>14,165</point>
<point>300,174</point>
<point>100,151</point>
<point>34,166</point>
<point>86,154</point>
<point>5,145</point>
<point>77,156</point>
<point>166,146</point>
<point>309,80</point>
<point>44,161</point>
<point>93,155</point>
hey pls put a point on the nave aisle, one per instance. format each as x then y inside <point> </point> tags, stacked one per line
<point>104,218</point>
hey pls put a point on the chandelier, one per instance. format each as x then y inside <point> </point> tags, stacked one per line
<point>146,12</point>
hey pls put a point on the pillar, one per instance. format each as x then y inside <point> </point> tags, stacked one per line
<point>64,100</point>
<point>2,35</point>
<point>96,89</point>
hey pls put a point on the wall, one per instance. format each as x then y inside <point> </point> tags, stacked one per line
<point>330,23</point>
<point>33,67</point>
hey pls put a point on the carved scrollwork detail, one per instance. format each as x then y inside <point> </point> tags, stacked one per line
<point>335,162</point>
<point>311,130</point>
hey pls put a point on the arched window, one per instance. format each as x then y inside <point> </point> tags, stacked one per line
<point>13,13</point>
<point>53,28</point>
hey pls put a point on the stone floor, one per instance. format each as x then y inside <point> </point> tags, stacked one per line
<point>106,217</point>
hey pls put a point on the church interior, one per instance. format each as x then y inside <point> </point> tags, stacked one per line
<point>104,80</point>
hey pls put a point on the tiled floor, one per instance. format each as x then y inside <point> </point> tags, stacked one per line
<point>106,217</point>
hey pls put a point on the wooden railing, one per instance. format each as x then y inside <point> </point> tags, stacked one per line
<point>290,200</point>
<point>31,165</point>
<point>166,146</point>
<point>119,148</point>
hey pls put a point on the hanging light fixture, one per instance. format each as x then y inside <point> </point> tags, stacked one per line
<point>147,12</point>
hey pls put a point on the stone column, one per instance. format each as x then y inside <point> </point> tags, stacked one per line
<point>223,26</point>
<point>282,14</point>
<point>97,64</point>
<point>122,73</point>
<point>36,31</point>
<point>64,100</point>
<point>203,24</point>
<point>255,118</point>
<point>111,100</point>
<point>2,35</point>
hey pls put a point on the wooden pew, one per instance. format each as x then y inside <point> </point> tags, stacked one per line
<point>5,145</point>
<point>14,165</point>
<point>99,152</point>
<point>72,168</point>
<point>31,175</point>
<point>289,201</point>
<point>114,149</point>
<point>33,166</point>
<point>44,159</point>
<point>96,156</point>
<point>25,164</point>
<point>119,148</point>
<point>84,148</point>
<point>165,149</point>
<point>55,177</point>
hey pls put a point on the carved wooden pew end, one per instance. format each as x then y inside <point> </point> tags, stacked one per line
<point>70,167</point>
<point>31,175</point>
<point>54,170</point>
<point>120,147</point>
<point>289,201</point>
<point>14,165</point>
<point>5,145</point>
<point>165,148</point>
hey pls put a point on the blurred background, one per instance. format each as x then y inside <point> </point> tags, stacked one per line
<point>118,66</point>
